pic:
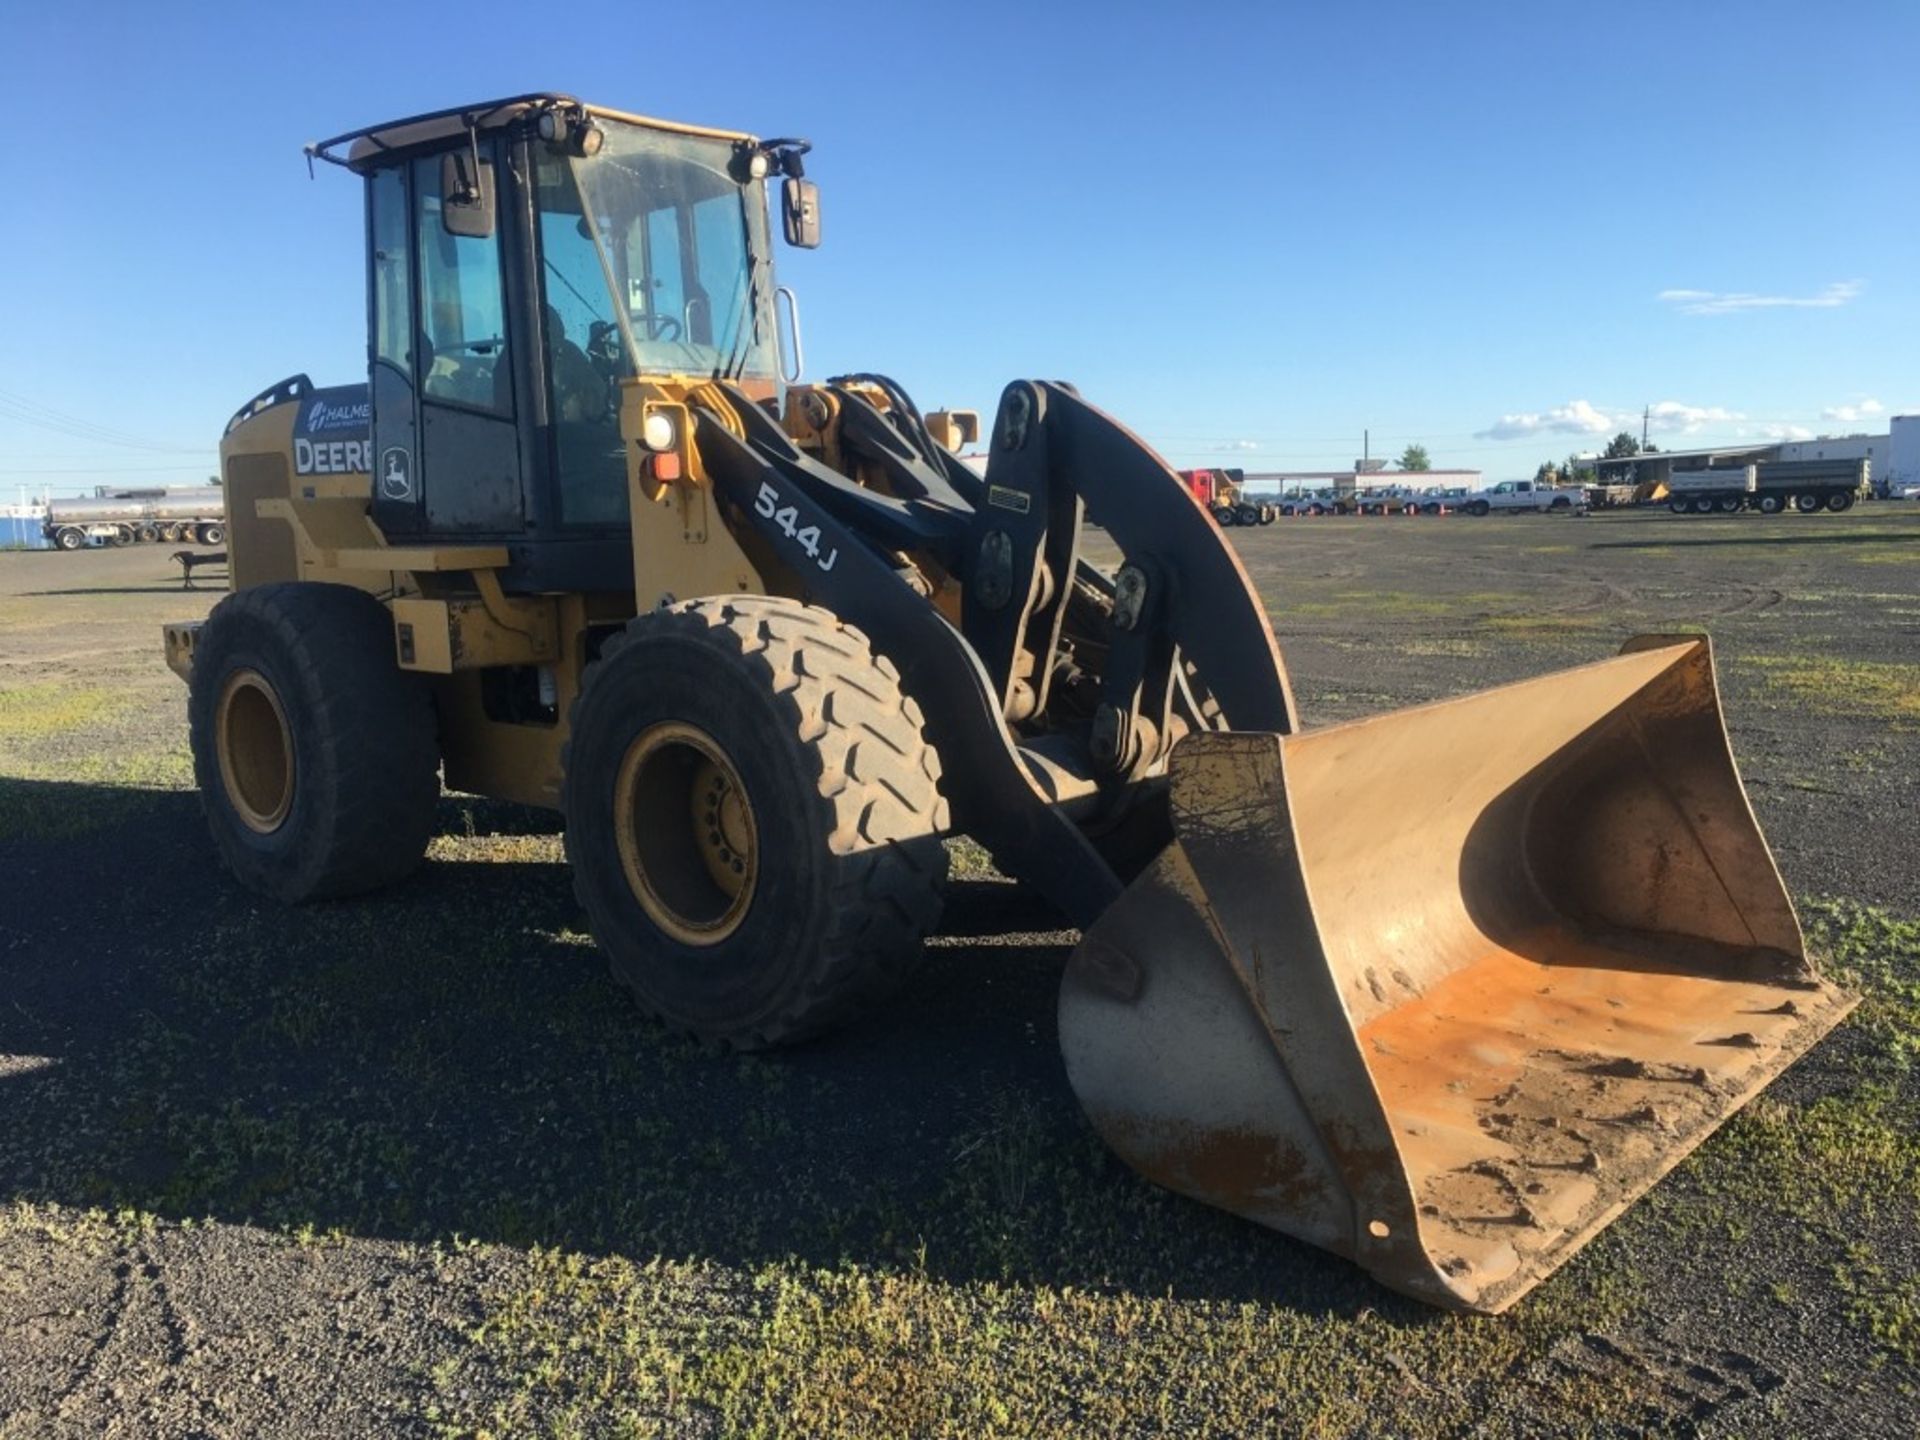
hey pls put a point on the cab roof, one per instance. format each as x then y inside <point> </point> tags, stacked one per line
<point>366,146</point>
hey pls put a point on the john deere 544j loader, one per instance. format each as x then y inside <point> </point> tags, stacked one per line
<point>581,543</point>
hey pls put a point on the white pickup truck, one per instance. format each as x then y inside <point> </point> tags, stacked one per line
<point>1523,495</point>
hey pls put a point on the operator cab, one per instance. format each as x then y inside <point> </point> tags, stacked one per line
<point>526,257</point>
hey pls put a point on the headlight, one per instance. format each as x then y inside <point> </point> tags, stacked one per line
<point>656,431</point>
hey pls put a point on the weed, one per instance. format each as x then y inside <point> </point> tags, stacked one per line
<point>1876,689</point>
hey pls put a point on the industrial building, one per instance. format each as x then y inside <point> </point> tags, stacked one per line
<point>1893,459</point>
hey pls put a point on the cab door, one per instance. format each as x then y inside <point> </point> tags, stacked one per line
<point>446,443</point>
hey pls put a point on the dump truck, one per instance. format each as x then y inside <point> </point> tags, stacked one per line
<point>765,644</point>
<point>1224,493</point>
<point>1771,487</point>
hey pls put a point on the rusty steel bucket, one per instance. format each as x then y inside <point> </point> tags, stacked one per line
<point>1445,990</point>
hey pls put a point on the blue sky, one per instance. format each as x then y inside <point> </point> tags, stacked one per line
<point>1250,231</point>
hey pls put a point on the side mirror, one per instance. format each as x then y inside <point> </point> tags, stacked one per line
<point>800,212</point>
<point>466,196</point>
<point>951,429</point>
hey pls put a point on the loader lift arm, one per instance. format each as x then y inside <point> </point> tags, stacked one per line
<point>1183,615</point>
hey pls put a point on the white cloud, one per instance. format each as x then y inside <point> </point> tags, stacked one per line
<point>1724,302</point>
<point>1854,413</point>
<point>1579,417</point>
<point>1670,417</point>
<point>1576,417</point>
<point>1776,432</point>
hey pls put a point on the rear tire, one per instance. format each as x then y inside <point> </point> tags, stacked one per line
<point>1223,516</point>
<point>315,753</point>
<point>1727,504</point>
<point>1840,500</point>
<point>1806,504</point>
<point>212,534</point>
<point>754,819</point>
<point>1767,504</point>
<point>1480,507</point>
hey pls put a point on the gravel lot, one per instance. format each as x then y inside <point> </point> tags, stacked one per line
<point>409,1164</point>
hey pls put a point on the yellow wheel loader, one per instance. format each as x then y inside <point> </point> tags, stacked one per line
<point>585,541</point>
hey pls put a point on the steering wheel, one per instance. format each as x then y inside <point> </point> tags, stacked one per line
<point>663,327</point>
<point>603,346</point>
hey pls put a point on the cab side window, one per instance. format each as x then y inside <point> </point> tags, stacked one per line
<point>462,333</point>
<point>392,273</point>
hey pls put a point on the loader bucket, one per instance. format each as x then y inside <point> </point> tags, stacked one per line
<point>1445,990</point>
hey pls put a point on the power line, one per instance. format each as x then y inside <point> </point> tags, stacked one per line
<point>115,470</point>
<point>30,412</point>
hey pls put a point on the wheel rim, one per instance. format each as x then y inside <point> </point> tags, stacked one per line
<point>255,751</point>
<point>686,833</point>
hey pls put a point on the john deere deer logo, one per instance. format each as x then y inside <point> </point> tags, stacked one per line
<point>395,482</point>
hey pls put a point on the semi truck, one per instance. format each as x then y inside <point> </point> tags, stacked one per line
<point>127,517</point>
<point>1224,494</point>
<point>1770,487</point>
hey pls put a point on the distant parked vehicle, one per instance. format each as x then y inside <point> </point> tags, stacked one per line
<point>1224,494</point>
<point>1525,495</point>
<point>195,517</point>
<point>1770,488</point>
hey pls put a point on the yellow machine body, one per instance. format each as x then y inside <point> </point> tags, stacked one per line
<point>1441,990</point>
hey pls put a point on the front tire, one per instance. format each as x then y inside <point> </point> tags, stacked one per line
<point>754,819</point>
<point>316,755</point>
<point>70,538</point>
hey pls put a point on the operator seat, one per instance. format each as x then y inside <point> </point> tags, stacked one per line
<point>579,389</point>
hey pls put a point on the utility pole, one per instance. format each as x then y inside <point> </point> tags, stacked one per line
<point>1646,414</point>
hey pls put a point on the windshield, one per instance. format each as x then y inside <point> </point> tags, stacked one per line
<point>650,250</point>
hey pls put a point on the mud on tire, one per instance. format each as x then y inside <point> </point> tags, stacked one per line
<point>357,806</point>
<point>847,817</point>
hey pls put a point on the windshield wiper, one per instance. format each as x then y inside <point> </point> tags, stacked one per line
<point>749,331</point>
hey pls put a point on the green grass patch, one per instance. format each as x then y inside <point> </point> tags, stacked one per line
<point>1547,622</point>
<point>1876,689</point>
<point>1844,1168</point>
<point>29,712</point>
<point>610,1345</point>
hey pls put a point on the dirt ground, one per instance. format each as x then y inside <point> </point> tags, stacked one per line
<point>409,1164</point>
